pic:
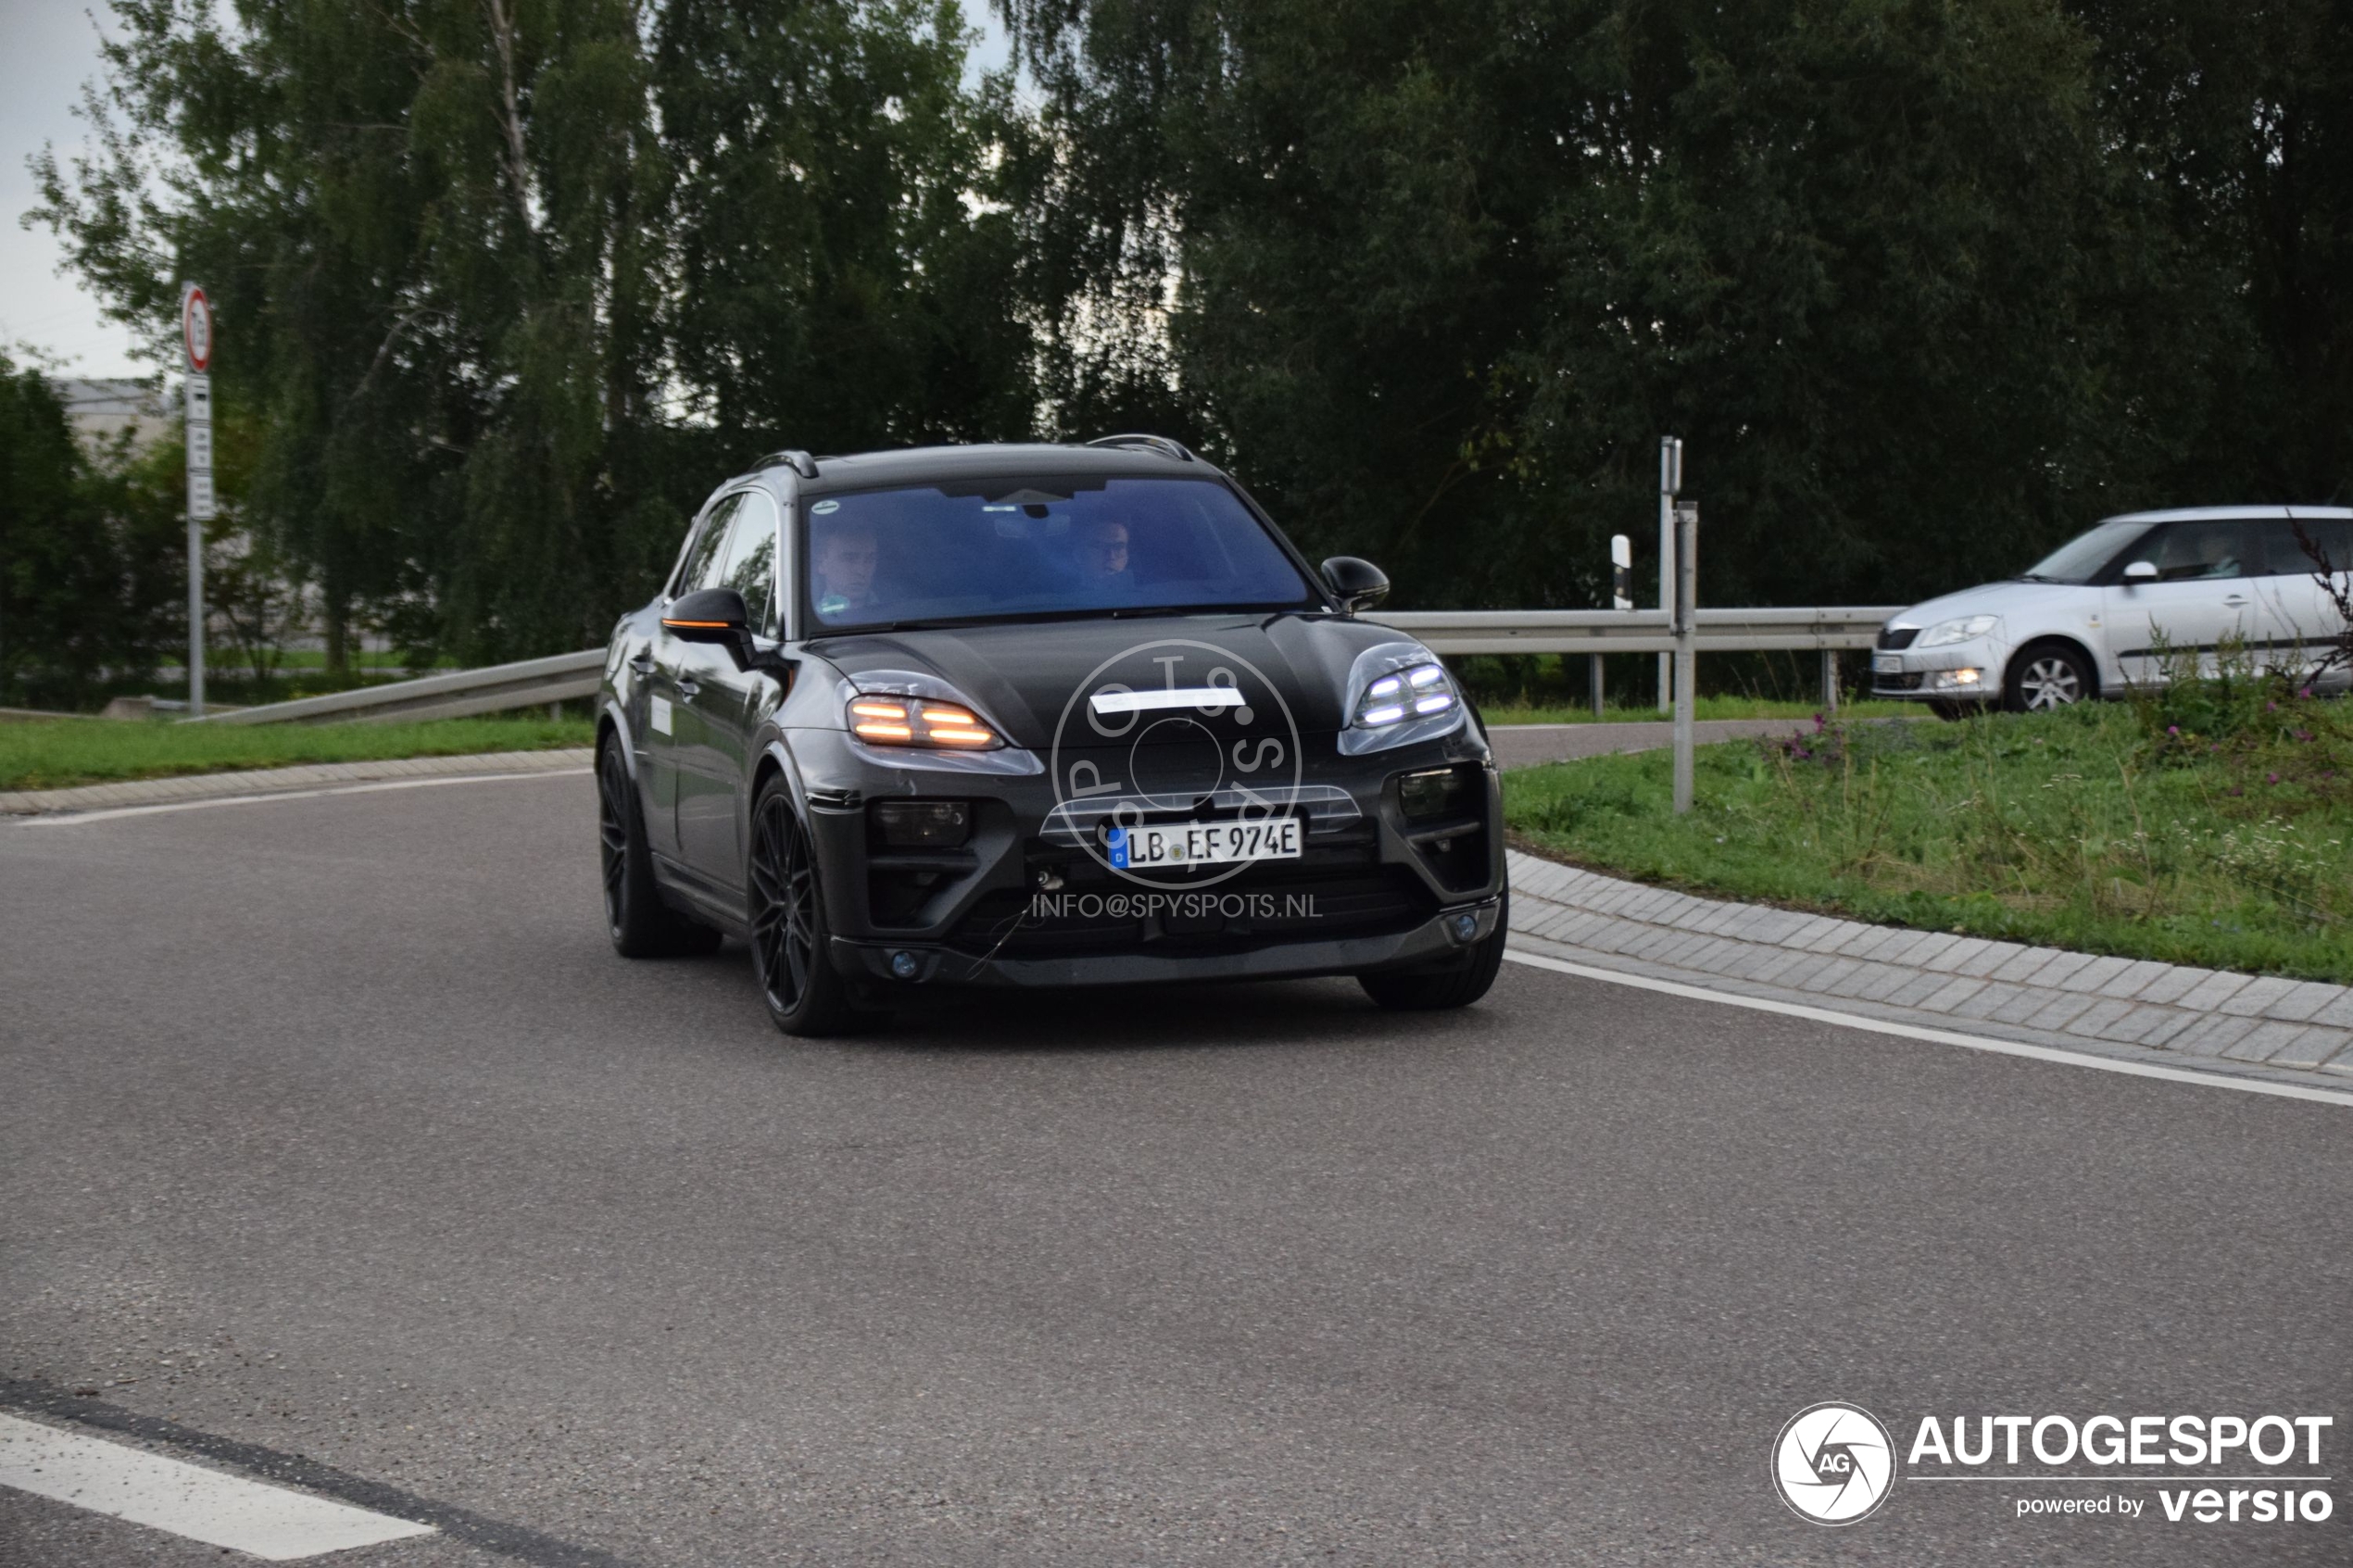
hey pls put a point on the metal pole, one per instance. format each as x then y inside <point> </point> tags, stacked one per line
<point>1686,651</point>
<point>1595,680</point>
<point>195,616</point>
<point>196,336</point>
<point>1670,481</point>
<point>1830,680</point>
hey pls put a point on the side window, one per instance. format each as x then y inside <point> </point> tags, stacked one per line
<point>750,565</point>
<point>2191,552</point>
<point>2283,552</point>
<point>700,569</point>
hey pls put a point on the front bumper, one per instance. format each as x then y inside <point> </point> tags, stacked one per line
<point>1024,903</point>
<point>1957,673</point>
<point>1442,937</point>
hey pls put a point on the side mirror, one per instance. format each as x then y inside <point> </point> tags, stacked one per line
<point>2140,571</point>
<point>1357,585</point>
<point>711,615</point>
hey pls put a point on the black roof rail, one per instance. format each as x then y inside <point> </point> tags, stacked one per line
<point>798,461</point>
<point>1159,444</point>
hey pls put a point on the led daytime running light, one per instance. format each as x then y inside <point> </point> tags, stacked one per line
<point>1417,693</point>
<point>887,722</point>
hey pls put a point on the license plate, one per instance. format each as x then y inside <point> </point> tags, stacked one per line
<point>1887,664</point>
<point>1202,843</point>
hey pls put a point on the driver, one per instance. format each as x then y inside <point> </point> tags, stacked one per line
<point>842,571</point>
<point>1102,554</point>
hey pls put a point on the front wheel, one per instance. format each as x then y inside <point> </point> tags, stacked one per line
<point>2048,675</point>
<point>790,941</point>
<point>1458,984</point>
<point>640,924</point>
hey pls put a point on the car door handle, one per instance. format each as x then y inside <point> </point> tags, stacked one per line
<point>2236,601</point>
<point>688,688</point>
<point>642,662</point>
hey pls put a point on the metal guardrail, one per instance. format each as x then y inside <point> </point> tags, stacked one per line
<point>534,681</point>
<point>1820,628</point>
<point>529,683</point>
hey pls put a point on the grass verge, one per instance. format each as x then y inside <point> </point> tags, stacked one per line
<point>2107,829</point>
<point>1702,707</point>
<point>53,754</point>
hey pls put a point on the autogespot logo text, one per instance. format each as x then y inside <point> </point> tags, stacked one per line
<point>1833,1463</point>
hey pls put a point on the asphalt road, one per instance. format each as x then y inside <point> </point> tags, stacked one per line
<point>334,1126</point>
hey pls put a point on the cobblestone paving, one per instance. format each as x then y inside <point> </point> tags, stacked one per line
<point>2044,995</point>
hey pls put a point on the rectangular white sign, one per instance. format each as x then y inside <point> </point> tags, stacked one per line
<point>201,505</point>
<point>199,447</point>
<point>199,395</point>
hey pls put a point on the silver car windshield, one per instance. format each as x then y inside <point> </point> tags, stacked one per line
<point>2080,558</point>
<point>1040,546</point>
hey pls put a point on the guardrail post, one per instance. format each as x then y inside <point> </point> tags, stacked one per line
<point>1594,680</point>
<point>1830,680</point>
<point>1686,650</point>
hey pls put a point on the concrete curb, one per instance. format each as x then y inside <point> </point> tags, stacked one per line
<point>274,780</point>
<point>2288,1030</point>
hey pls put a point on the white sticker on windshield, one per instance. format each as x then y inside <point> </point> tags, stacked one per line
<point>822,508</point>
<point>661,715</point>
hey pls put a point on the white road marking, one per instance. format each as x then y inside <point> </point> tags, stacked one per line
<point>75,819</point>
<point>1939,1037</point>
<point>167,1494</point>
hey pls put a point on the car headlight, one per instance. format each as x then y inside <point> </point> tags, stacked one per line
<point>1397,692</point>
<point>1418,693</point>
<point>904,707</point>
<point>909,721</point>
<point>1959,631</point>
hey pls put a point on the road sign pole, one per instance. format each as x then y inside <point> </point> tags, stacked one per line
<point>1670,483</point>
<point>1686,649</point>
<point>196,336</point>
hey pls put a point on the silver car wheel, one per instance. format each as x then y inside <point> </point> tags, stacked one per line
<point>2050,682</point>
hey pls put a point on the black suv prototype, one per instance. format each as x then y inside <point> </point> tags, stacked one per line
<point>1034,715</point>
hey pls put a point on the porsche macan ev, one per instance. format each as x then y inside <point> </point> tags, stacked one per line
<point>1036,716</point>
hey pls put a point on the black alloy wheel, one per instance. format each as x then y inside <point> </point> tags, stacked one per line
<point>640,924</point>
<point>2048,675</point>
<point>789,939</point>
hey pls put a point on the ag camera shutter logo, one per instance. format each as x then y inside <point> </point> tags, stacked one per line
<point>1833,1463</point>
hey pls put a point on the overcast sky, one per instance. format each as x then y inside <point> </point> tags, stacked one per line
<point>51,49</point>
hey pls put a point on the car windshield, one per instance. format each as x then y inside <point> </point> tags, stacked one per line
<point>2080,558</point>
<point>1041,545</point>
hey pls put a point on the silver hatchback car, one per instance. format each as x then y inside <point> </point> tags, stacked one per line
<point>2097,616</point>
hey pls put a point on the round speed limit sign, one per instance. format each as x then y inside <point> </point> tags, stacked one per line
<point>196,326</point>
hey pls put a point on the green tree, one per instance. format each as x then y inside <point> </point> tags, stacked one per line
<point>91,574</point>
<point>841,272</point>
<point>500,339</point>
<point>1927,285</point>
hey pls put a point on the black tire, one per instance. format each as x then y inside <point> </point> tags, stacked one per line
<point>790,941</point>
<point>641,925</point>
<point>2043,676</point>
<point>1458,984</point>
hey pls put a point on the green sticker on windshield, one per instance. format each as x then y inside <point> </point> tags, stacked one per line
<point>832,604</point>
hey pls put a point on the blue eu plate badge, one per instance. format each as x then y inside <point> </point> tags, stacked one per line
<point>1116,842</point>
